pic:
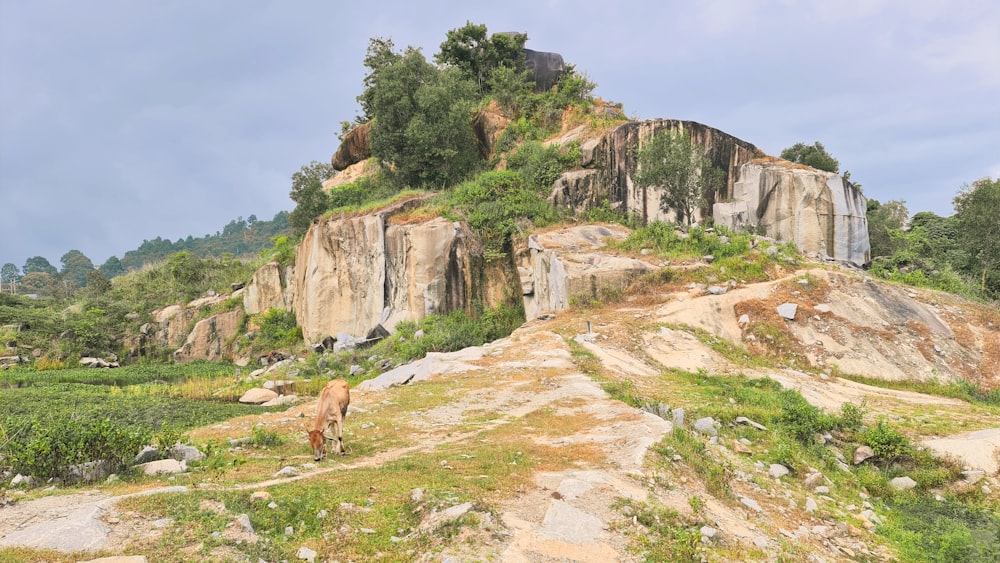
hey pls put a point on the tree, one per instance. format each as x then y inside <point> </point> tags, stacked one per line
<point>885,219</point>
<point>814,155</point>
<point>978,227</point>
<point>422,120</point>
<point>97,284</point>
<point>10,276</point>
<point>38,264</point>
<point>307,192</point>
<point>76,266</point>
<point>670,160</point>
<point>112,267</point>
<point>40,283</point>
<point>478,55</point>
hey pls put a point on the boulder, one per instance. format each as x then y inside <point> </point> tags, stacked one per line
<point>546,68</point>
<point>354,147</point>
<point>258,396</point>
<point>163,466</point>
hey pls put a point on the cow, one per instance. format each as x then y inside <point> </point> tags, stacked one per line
<point>331,411</point>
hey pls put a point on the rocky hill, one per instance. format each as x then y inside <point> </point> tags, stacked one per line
<point>598,430</point>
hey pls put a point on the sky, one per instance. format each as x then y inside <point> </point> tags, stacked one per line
<point>126,120</point>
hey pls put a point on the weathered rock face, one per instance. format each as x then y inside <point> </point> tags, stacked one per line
<point>818,211</point>
<point>354,148</point>
<point>560,265</point>
<point>211,338</point>
<point>612,158</point>
<point>353,273</point>
<point>267,289</point>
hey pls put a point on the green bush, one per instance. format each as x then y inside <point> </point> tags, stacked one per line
<point>887,443</point>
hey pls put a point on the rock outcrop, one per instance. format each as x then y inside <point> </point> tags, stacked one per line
<point>267,289</point>
<point>488,123</point>
<point>211,338</point>
<point>353,148</point>
<point>559,266</point>
<point>355,272</point>
<point>818,211</point>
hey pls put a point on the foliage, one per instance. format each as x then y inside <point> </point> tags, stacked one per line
<point>76,266</point>
<point>814,155</point>
<point>308,194</point>
<point>500,204</point>
<point>479,56</point>
<point>277,329</point>
<point>978,230</point>
<point>672,161</point>
<point>540,165</point>
<point>52,420</point>
<point>422,118</point>
<point>943,531</point>
<point>38,264</point>
<point>884,219</point>
<point>888,445</point>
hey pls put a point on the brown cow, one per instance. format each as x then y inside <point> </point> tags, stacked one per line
<point>331,411</point>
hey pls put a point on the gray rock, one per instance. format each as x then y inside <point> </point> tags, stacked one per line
<point>748,422</point>
<point>811,505</point>
<point>787,310</point>
<point>148,454</point>
<point>813,480</point>
<point>777,470</point>
<point>751,504</point>
<point>243,520</point>
<point>902,483</point>
<point>706,426</point>
<point>22,481</point>
<point>717,290</point>
<point>678,416</point>
<point>862,453</point>
<point>306,554</point>
<point>184,452</point>
<point>286,471</point>
<point>708,533</point>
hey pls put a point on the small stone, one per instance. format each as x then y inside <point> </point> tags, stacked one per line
<point>811,505</point>
<point>787,310</point>
<point>862,453</point>
<point>751,504</point>
<point>822,490</point>
<point>777,470</point>
<point>708,533</point>
<point>289,530</point>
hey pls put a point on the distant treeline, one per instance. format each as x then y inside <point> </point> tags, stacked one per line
<point>239,238</point>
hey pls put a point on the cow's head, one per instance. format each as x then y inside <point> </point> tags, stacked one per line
<point>318,443</point>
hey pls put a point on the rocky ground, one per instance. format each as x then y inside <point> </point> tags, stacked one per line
<point>574,513</point>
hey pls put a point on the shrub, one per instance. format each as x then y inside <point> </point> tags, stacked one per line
<point>887,443</point>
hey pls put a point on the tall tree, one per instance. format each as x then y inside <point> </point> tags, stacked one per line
<point>814,155</point>
<point>478,55</point>
<point>671,161</point>
<point>76,266</point>
<point>422,121</point>
<point>112,267</point>
<point>976,216</point>
<point>38,264</point>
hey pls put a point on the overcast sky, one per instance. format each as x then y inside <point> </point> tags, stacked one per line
<point>122,121</point>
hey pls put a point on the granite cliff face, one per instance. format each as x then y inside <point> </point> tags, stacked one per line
<point>819,211</point>
<point>353,273</point>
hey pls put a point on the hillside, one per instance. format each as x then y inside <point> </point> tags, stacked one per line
<point>535,448</point>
